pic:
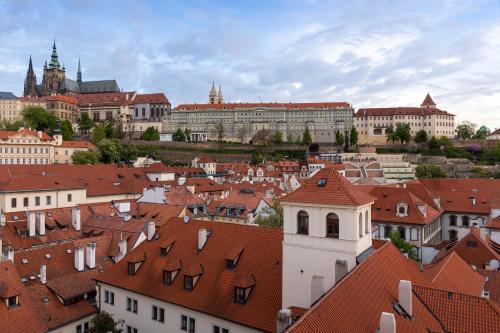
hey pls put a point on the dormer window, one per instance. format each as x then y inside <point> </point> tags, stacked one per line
<point>164,249</point>
<point>188,283</point>
<point>192,276</point>
<point>402,209</point>
<point>243,288</point>
<point>13,301</point>
<point>233,257</point>
<point>135,262</point>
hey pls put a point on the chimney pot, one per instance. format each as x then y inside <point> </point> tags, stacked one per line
<point>387,323</point>
<point>122,244</point>
<point>79,265</point>
<point>90,257</point>
<point>40,223</point>
<point>284,320</point>
<point>151,230</point>
<point>43,274</point>
<point>406,296</point>
<point>202,238</point>
<point>75,218</point>
<point>31,224</point>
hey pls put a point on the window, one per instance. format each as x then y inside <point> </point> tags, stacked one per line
<point>79,329</point>
<point>109,297</point>
<point>402,210</point>
<point>188,324</point>
<point>131,329</point>
<point>37,201</point>
<point>131,268</point>
<point>332,225</point>
<point>360,225</point>
<point>414,234</point>
<point>158,314</point>
<point>465,221</point>
<point>168,277</point>
<point>188,282</point>
<point>303,223</point>
<point>48,200</point>
<point>387,231</point>
<point>402,232</point>
<point>240,295</point>
<point>70,197</point>
<point>219,329</point>
<point>12,301</point>
<point>13,202</point>
<point>367,223</point>
<point>453,220</point>
<point>132,305</point>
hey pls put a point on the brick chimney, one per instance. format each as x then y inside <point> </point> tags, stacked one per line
<point>79,265</point>
<point>90,256</point>
<point>406,296</point>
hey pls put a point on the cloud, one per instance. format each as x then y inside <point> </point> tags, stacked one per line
<point>448,61</point>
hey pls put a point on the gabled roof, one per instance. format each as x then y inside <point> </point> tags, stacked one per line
<point>404,110</point>
<point>214,291</point>
<point>24,132</point>
<point>460,312</point>
<point>357,301</point>
<point>428,101</point>
<point>7,95</point>
<point>286,106</point>
<point>337,190</point>
<point>158,98</point>
<point>77,144</point>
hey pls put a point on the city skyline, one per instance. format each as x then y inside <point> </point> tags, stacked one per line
<point>370,56</point>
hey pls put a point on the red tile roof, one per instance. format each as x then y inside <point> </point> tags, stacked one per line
<point>105,99</point>
<point>206,159</point>
<point>62,98</point>
<point>492,284</point>
<point>454,274</point>
<point>356,302</point>
<point>158,98</point>
<point>460,312</point>
<point>77,144</point>
<point>416,111</point>
<point>287,106</point>
<point>24,132</point>
<point>214,291</point>
<point>336,191</point>
<point>428,100</point>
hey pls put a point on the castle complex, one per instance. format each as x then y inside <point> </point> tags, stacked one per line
<point>54,81</point>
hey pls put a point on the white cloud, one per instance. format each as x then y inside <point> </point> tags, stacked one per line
<point>448,61</point>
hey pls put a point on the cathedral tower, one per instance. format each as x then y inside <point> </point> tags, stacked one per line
<point>79,73</point>
<point>30,81</point>
<point>220,98</point>
<point>53,74</point>
<point>212,97</point>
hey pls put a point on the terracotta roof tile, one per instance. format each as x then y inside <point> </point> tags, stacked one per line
<point>287,106</point>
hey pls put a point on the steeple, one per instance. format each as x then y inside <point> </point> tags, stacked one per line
<point>54,59</point>
<point>212,97</point>
<point>79,73</point>
<point>30,81</point>
<point>220,98</point>
<point>428,102</point>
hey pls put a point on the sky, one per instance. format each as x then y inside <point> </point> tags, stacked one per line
<point>369,53</point>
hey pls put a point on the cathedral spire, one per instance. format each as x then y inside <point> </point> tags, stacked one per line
<point>30,81</point>
<point>79,73</point>
<point>30,66</point>
<point>54,59</point>
<point>212,97</point>
<point>220,98</point>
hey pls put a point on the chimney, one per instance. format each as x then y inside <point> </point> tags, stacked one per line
<point>284,320</point>
<point>10,254</point>
<point>151,230</point>
<point>79,266</point>
<point>43,274</point>
<point>3,219</point>
<point>473,201</point>
<point>122,245</point>
<point>31,224</point>
<point>405,296</point>
<point>1,249</point>
<point>75,218</point>
<point>40,223</point>
<point>90,257</point>
<point>387,323</point>
<point>181,181</point>
<point>202,238</point>
<point>40,134</point>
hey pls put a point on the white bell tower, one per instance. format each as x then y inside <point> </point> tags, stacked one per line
<point>327,229</point>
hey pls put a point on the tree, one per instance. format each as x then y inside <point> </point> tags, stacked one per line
<point>113,130</point>
<point>391,135</point>
<point>219,131</point>
<point>39,118</point>
<point>421,136</point>
<point>306,138</point>
<point>150,134</point>
<point>129,153</point>
<point>242,133</point>
<point>403,132</point>
<point>103,322</point>
<point>494,153</point>
<point>353,136</point>
<point>465,130</point>
<point>263,137</point>
<point>257,158</point>
<point>429,171</point>
<point>85,124</point>
<point>99,133</point>
<point>86,157</point>
<point>66,130</point>
<point>271,216</point>
<point>110,150</point>
<point>482,133</point>
<point>187,134</point>
<point>404,246</point>
<point>179,135</point>
<point>6,125</point>
<point>339,138</point>
<point>433,143</point>
<point>289,137</point>
<point>278,138</point>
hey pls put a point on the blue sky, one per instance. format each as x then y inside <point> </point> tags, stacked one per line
<point>369,53</point>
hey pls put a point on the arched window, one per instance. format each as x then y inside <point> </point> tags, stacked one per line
<point>332,225</point>
<point>303,223</point>
<point>367,223</point>
<point>360,225</point>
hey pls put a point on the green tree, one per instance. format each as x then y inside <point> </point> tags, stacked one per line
<point>85,124</point>
<point>433,143</point>
<point>257,158</point>
<point>404,246</point>
<point>391,135</point>
<point>465,130</point>
<point>353,136</point>
<point>110,150</point>
<point>494,153</point>
<point>272,215</point>
<point>103,322</point>
<point>219,131</point>
<point>339,137</point>
<point>99,133</point>
<point>150,134</point>
<point>66,130</point>
<point>482,133</point>
<point>242,133</point>
<point>113,130</point>
<point>179,135</point>
<point>187,134</point>
<point>6,125</point>
<point>278,138</point>
<point>129,153</point>
<point>306,138</point>
<point>86,157</point>
<point>39,118</point>
<point>429,171</point>
<point>403,132</point>
<point>421,136</point>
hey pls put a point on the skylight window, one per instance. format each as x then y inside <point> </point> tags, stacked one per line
<point>322,182</point>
